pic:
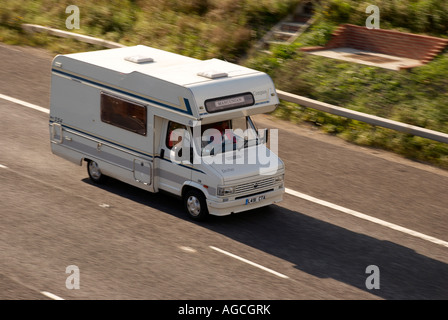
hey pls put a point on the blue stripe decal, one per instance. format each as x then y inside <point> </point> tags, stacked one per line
<point>187,103</point>
<point>108,141</point>
<point>124,147</point>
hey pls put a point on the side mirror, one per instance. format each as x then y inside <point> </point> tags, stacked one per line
<point>191,155</point>
<point>265,137</point>
<point>176,154</point>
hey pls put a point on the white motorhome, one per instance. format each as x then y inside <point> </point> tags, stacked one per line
<point>150,117</point>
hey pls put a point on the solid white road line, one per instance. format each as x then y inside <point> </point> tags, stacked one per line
<point>23,103</point>
<point>297,194</point>
<point>250,262</point>
<point>51,296</point>
<point>366,217</point>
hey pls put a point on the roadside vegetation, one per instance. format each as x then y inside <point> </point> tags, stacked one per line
<point>202,29</point>
<point>227,29</point>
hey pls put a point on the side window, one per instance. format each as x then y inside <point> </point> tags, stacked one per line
<point>171,137</point>
<point>123,114</point>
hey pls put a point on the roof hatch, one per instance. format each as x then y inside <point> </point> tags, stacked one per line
<point>212,74</point>
<point>139,59</point>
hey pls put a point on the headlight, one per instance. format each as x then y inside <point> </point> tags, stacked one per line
<point>225,191</point>
<point>278,179</point>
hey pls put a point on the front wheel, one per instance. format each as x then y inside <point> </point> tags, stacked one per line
<point>94,172</point>
<point>195,205</point>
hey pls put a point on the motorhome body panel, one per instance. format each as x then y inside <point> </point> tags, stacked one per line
<point>162,96</point>
<point>78,132</point>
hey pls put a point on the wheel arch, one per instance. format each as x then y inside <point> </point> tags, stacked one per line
<point>189,185</point>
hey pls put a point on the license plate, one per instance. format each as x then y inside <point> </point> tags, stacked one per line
<point>255,199</point>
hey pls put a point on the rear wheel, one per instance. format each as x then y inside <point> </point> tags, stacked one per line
<point>195,204</point>
<point>94,172</point>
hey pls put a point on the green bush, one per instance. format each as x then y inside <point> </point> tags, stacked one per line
<point>318,34</point>
<point>421,16</point>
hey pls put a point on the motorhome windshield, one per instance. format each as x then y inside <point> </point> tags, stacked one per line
<point>228,135</point>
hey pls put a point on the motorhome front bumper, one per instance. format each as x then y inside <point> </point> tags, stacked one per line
<point>245,203</point>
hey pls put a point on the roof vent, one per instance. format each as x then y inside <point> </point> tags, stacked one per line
<point>139,59</point>
<point>212,74</point>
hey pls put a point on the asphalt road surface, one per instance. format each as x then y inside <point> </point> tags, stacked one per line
<point>130,244</point>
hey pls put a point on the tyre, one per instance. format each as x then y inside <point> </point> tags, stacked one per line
<point>195,204</point>
<point>94,172</point>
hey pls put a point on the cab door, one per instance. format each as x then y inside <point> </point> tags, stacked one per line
<point>173,171</point>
